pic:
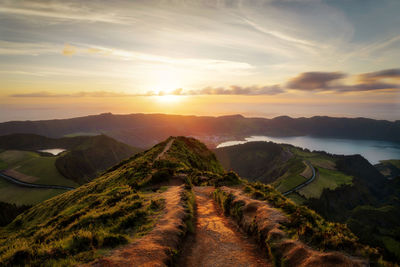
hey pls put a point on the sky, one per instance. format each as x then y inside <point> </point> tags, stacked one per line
<point>259,58</point>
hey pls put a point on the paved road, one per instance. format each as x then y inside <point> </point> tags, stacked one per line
<point>44,186</point>
<point>300,186</point>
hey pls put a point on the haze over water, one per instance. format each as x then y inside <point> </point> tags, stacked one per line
<point>373,151</point>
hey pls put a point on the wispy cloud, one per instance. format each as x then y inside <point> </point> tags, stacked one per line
<point>45,94</point>
<point>58,10</point>
<point>239,90</point>
<point>27,48</point>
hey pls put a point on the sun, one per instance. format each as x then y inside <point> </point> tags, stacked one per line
<point>168,99</point>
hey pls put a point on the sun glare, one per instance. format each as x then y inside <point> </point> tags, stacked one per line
<point>168,99</point>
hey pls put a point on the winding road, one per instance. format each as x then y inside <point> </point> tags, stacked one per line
<point>300,186</point>
<point>43,186</point>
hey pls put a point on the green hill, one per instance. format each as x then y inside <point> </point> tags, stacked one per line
<point>125,203</point>
<point>389,168</point>
<point>346,189</point>
<point>83,159</point>
<point>110,210</point>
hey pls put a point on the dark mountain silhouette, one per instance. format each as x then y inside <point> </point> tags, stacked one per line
<point>145,130</point>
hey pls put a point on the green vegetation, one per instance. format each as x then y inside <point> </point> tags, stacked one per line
<point>41,168</point>
<point>306,225</point>
<point>394,162</point>
<point>325,179</point>
<point>80,225</point>
<point>321,160</point>
<point>9,211</point>
<point>292,176</point>
<point>389,168</point>
<point>73,227</point>
<point>378,225</point>
<point>82,134</point>
<point>86,156</point>
<point>19,195</point>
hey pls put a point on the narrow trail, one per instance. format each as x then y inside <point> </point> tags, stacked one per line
<point>216,242</point>
<point>166,148</point>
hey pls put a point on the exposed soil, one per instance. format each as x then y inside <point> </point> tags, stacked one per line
<point>216,241</point>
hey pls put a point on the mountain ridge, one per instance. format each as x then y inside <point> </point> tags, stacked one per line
<point>145,130</point>
<point>126,204</point>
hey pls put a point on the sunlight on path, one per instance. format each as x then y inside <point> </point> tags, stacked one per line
<point>216,242</point>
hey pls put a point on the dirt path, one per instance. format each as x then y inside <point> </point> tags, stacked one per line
<point>216,242</point>
<point>153,248</point>
<point>166,148</point>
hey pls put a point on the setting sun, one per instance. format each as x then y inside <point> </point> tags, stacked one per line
<point>168,99</point>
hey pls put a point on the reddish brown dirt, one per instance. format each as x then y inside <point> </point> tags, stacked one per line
<point>154,248</point>
<point>216,242</point>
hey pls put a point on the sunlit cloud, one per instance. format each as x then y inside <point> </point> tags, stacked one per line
<point>68,50</point>
<point>332,81</point>
<point>314,80</point>
<point>309,81</point>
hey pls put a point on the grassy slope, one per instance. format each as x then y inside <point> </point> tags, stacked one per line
<point>283,166</point>
<point>394,162</point>
<point>306,225</point>
<point>101,214</point>
<point>19,195</point>
<point>79,225</point>
<point>325,179</point>
<point>88,155</point>
<point>33,164</point>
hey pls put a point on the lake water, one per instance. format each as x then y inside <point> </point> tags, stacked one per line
<point>373,151</point>
<point>54,151</point>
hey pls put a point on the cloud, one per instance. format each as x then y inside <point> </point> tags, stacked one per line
<point>68,50</point>
<point>60,11</point>
<point>331,81</point>
<point>383,74</point>
<point>307,81</point>
<point>240,90</point>
<point>314,80</point>
<point>27,48</point>
<point>232,90</point>
<point>45,94</point>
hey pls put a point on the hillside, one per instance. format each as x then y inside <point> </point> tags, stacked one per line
<point>346,189</point>
<point>138,212</point>
<point>145,130</point>
<point>83,159</point>
<point>389,168</point>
